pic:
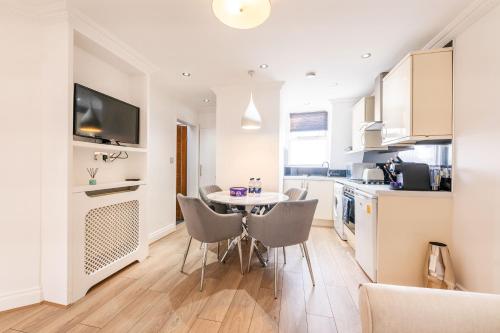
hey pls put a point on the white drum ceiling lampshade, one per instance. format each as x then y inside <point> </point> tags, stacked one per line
<point>251,119</point>
<point>242,14</point>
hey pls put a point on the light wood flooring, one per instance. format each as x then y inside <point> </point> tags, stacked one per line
<point>153,296</point>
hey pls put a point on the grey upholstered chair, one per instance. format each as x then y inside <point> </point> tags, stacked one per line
<point>288,223</point>
<point>207,226</point>
<point>217,207</point>
<point>295,194</point>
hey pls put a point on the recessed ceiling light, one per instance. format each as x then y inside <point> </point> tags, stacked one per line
<point>366,55</point>
<point>206,100</point>
<point>264,66</point>
<point>311,75</point>
<point>186,74</point>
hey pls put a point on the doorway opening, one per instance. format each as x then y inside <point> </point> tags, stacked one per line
<point>181,169</point>
<point>187,159</point>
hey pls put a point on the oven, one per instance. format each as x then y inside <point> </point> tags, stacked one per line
<point>348,208</point>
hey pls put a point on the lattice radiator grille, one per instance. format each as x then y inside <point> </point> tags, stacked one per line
<point>111,232</point>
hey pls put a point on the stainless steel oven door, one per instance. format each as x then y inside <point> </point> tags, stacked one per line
<point>348,212</point>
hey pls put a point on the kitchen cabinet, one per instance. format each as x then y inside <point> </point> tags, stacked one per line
<point>418,98</point>
<point>316,189</point>
<point>362,113</point>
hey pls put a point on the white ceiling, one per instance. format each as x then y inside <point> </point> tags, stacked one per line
<point>326,36</point>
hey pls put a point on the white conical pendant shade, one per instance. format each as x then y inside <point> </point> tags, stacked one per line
<point>251,118</point>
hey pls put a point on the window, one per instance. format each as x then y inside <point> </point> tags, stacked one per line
<point>308,140</point>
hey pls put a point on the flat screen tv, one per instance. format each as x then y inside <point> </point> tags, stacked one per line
<point>104,118</point>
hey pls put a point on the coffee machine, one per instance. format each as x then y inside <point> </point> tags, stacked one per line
<point>409,176</point>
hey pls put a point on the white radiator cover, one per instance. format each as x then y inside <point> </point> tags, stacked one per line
<point>108,232</point>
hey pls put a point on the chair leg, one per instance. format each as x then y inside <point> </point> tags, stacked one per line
<point>306,252</point>
<point>218,251</point>
<point>252,244</point>
<point>203,264</point>
<point>276,273</point>
<point>301,250</point>
<point>268,250</point>
<point>186,253</point>
<point>241,255</point>
<point>284,255</point>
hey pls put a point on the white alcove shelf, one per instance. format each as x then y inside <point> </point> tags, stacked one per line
<point>109,217</point>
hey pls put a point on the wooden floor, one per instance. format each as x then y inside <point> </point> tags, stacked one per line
<point>153,296</point>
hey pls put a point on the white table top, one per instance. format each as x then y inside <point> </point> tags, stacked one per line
<point>265,198</point>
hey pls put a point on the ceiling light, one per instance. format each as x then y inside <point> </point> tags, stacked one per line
<point>366,55</point>
<point>311,75</point>
<point>251,119</point>
<point>264,66</point>
<point>186,74</point>
<point>242,14</point>
<point>206,100</point>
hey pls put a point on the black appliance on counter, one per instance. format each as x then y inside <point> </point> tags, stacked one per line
<point>411,176</point>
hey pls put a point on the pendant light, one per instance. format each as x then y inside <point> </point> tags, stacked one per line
<point>251,119</point>
<point>242,14</point>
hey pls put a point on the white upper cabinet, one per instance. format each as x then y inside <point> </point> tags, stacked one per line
<point>418,98</point>
<point>362,113</point>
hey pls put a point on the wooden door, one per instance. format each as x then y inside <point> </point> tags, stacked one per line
<point>181,167</point>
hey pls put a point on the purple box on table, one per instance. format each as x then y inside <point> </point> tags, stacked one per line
<point>238,191</point>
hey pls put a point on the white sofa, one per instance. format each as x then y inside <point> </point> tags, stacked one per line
<point>399,309</point>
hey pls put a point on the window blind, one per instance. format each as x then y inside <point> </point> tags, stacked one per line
<point>309,121</point>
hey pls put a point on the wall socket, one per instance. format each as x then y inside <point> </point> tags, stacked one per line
<point>101,156</point>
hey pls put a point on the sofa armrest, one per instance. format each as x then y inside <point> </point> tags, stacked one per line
<point>399,309</point>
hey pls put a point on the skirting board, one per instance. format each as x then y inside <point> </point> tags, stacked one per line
<point>160,233</point>
<point>20,298</point>
<point>323,223</point>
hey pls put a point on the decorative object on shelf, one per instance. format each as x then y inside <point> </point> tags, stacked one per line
<point>242,14</point>
<point>438,269</point>
<point>92,173</point>
<point>251,119</point>
<point>238,191</point>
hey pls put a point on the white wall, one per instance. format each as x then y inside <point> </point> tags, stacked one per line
<point>208,149</point>
<point>242,154</point>
<point>476,229</point>
<point>342,134</point>
<point>164,113</point>
<point>20,167</point>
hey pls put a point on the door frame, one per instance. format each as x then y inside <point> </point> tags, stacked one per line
<point>193,157</point>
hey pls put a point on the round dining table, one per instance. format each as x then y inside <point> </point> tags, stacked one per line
<point>249,202</point>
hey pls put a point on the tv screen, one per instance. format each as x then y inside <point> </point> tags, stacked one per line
<point>99,116</point>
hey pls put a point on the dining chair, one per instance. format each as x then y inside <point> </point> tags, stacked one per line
<point>207,226</point>
<point>217,207</point>
<point>288,223</point>
<point>294,194</point>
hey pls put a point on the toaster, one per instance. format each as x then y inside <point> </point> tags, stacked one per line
<point>374,175</point>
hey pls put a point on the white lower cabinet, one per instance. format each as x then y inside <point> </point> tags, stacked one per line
<point>316,189</point>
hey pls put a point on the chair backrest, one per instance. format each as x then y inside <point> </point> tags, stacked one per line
<point>288,223</point>
<point>206,225</point>
<point>295,194</point>
<point>206,190</point>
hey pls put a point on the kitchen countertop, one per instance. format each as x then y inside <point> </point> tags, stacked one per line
<point>373,189</point>
<point>379,190</point>
<point>312,178</point>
